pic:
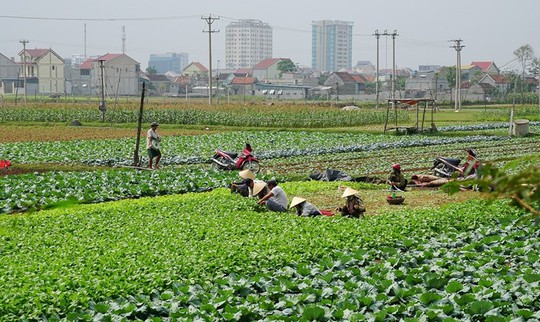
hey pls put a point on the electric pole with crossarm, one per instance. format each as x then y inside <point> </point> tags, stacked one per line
<point>458,46</point>
<point>210,20</point>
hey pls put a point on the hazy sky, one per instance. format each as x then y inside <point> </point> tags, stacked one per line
<point>490,29</point>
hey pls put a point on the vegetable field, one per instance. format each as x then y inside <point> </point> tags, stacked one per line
<point>85,238</point>
<point>210,255</point>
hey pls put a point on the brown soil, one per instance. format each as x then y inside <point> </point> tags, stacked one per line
<point>14,171</point>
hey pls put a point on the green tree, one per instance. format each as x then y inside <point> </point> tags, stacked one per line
<point>534,67</point>
<point>323,77</point>
<point>515,84</point>
<point>400,83</point>
<point>450,73</point>
<point>524,55</point>
<point>518,180</point>
<point>286,66</point>
<point>151,70</point>
<point>370,87</point>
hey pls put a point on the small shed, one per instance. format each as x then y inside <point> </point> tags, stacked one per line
<point>427,103</point>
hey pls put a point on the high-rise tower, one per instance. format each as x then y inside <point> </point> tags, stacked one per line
<point>247,43</point>
<point>331,45</point>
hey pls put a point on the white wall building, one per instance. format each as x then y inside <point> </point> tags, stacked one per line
<point>247,42</point>
<point>48,67</point>
<point>331,45</point>
<point>120,73</point>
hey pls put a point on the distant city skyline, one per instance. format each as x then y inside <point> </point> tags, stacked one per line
<point>490,30</point>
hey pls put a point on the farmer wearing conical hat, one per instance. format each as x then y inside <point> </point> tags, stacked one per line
<point>354,206</point>
<point>244,187</point>
<point>304,208</point>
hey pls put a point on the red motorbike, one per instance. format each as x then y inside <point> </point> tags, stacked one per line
<point>230,161</point>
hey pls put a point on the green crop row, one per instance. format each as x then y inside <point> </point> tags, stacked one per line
<point>247,117</point>
<point>414,159</point>
<point>57,263</point>
<point>198,149</point>
<point>489,274</point>
<point>56,189</point>
<point>35,191</point>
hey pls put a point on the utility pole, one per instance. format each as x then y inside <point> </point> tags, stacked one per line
<point>24,42</point>
<point>394,34</point>
<point>538,87</point>
<point>210,20</point>
<point>458,46</point>
<point>136,160</point>
<point>123,39</point>
<point>102,107</point>
<point>85,42</point>
<point>377,35</point>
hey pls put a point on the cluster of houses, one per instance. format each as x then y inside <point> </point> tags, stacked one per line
<point>44,72</point>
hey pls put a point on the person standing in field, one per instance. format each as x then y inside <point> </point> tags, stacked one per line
<point>276,199</point>
<point>152,146</point>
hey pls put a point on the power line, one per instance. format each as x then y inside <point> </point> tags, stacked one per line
<point>100,19</point>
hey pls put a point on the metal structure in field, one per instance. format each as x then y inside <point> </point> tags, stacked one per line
<point>395,103</point>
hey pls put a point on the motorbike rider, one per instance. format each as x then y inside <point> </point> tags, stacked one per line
<point>396,179</point>
<point>276,199</point>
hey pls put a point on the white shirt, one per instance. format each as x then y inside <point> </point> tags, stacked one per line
<point>279,196</point>
<point>151,134</point>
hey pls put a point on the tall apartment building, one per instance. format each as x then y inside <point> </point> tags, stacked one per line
<point>331,45</point>
<point>169,62</point>
<point>247,43</point>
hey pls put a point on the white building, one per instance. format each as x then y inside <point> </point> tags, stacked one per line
<point>331,45</point>
<point>247,42</point>
<point>47,66</point>
<point>120,74</point>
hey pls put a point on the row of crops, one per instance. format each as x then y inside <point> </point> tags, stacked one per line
<point>59,189</point>
<point>214,256</point>
<point>373,158</point>
<point>198,149</point>
<point>480,127</point>
<point>413,159</point>
<point>245,117</point>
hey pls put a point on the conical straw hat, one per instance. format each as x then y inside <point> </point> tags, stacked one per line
<point>296,201</point>
<point>245,174</point>
<point>348,192</point>
<point>257,187</point>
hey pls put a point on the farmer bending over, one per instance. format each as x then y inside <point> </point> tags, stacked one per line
<point>276,199</point>
<point>304,208</point>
